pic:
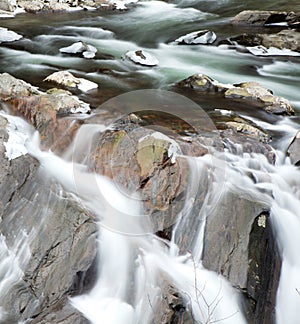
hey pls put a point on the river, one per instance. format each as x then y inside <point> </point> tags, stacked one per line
<point>153,26</point>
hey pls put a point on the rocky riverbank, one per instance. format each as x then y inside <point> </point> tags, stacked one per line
<point>38,6</point>
<point>142,163</point>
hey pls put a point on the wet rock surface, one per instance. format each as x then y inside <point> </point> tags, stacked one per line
<point>248,91</point>
<point>143,160</point>
<point>37,6</point>
<point>243,249</point>
<point>285,39</point>
<point>56,263</point>
<point>264,18</point>
<point>294,150</point>
<point>44,110</point>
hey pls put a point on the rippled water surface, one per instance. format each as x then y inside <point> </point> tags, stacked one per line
<point>151,25</point>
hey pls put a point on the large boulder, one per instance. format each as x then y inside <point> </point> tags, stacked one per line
<point>8,5</point>
<point>286,42</point>
<point>44,110</point>
<point>145,161</point>
<point>50,242</point>
<point>252,92</point>
<point>263,18</point>
<point>227,121</point>
<point>239,244</point>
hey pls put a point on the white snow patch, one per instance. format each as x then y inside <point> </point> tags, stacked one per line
<point>283,23</point>
<point>18,131</point>
<point>142,57</point>
<point>68,79</point>
<point>271,51</point>
<point>19,10</point>
<point>86,85</point>
<point>8,35</point>
<point>224,112</point>
<point>83,109</point>
<point>198,37</point>
<point>122,4</point>
<point>88,51</point>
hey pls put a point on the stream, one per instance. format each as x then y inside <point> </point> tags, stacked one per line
<point>133,259</point>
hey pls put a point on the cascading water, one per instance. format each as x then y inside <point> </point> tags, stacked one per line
<point>132,259</point>
<point>131,266</point>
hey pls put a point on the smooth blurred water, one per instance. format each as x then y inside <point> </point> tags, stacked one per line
<point>153,26</point>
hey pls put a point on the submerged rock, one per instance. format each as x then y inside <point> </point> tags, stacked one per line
<point>293,150</point>
<point>266,18</point>
<point>250,91</point>
<point>67,79</point>
<point>142,57</point>
<point>87,51</point>
<point>197,37</point>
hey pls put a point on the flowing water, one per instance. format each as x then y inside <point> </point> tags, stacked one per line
<point>153,26</point>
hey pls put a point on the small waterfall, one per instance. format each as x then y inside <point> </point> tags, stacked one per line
<point>132,260</point>
<point>278,188</point>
